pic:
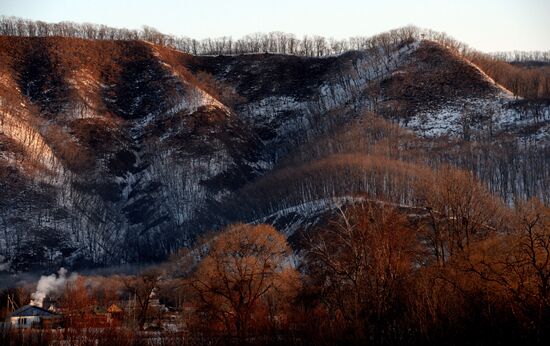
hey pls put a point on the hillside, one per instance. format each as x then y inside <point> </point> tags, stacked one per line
<point>124,151</point>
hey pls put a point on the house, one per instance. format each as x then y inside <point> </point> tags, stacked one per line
<point>114,314</point>
<point>29,316</point>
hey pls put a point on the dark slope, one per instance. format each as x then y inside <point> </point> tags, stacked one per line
<point>431,77</point>
<point>269,74</point>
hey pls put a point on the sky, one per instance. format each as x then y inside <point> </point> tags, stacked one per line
<point>487,25</point>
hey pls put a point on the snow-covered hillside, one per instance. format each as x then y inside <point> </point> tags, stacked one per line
<point>117,152</point>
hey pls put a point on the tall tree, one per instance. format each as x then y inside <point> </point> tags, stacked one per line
<point>244,265</point>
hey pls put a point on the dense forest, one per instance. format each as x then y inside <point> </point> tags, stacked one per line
<point>469,271</point>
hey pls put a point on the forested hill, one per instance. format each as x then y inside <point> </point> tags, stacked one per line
<point>117,151</point>
<point>506,68</point>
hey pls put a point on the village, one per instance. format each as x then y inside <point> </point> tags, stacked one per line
<point>77,309</point>
<point>96,324</point>
<point>119,314</point>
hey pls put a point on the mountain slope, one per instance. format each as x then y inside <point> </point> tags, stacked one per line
<point>123,151</point>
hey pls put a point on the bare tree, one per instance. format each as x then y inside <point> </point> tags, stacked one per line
<point>516,264</point>
<point>362,262</point>
<point>142,288</point>
<point>244,264</point>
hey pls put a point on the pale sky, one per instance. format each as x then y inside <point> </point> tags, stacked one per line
<point>488,25</point>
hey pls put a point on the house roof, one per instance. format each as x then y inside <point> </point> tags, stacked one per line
<point>114,309</point>
<point>31,310</point>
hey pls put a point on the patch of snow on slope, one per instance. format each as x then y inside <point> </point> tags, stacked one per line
<point>194,99</point>
<point>451,118</point>
<point>305,215</point>
<point>269,108</point>
<point>373,65</point>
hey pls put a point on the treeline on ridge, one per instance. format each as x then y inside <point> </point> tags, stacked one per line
<point>533,83</point>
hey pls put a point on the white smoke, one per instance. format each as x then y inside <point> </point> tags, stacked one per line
<point>49,284</point>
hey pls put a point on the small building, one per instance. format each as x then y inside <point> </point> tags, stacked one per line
<point>115,310</point>
<point>30,316</point>
<point>114,314</point>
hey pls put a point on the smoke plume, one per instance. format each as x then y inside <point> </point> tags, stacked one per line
<point>49,284</point>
